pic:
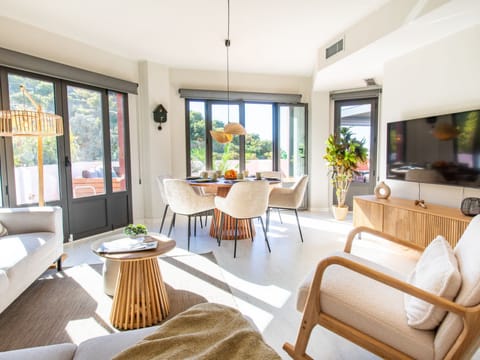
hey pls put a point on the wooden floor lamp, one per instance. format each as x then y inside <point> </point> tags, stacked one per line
<point>32,123</point>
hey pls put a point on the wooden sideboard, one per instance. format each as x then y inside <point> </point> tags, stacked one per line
<point>407,221</point>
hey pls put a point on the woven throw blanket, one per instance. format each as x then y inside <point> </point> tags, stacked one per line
<point>205,331</point>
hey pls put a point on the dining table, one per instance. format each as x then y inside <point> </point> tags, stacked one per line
<point>221,187</point>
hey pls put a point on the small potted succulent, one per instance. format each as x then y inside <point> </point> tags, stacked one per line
<point>135,230</point>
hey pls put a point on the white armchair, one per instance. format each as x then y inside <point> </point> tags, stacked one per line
<point>364,301</point>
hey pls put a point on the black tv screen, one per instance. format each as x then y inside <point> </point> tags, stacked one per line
<point>443,149</point>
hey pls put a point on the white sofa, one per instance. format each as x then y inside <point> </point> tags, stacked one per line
<point>98,348</point>
<point>33,243</point>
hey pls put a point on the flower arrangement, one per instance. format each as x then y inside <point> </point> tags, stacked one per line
<point>135,230</point>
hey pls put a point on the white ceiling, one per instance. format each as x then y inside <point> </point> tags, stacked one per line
<point>268,36</point>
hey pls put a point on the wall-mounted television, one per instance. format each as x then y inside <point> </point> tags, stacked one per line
<point>442,149</point>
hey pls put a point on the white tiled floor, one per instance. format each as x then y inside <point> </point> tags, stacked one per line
<point>264,284</point>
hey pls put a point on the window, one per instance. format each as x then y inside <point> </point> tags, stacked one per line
<point>275,140</point>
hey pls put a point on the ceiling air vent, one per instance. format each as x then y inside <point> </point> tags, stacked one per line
<point>333,49</point>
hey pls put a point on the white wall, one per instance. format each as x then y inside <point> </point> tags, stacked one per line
<point>319,128</point>
<point>440,78</point>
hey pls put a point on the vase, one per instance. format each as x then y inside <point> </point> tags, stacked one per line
<point>382,190</point>
<point>340,213</point>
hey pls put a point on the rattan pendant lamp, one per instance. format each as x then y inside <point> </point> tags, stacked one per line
<point>32,123</point>
<point>230,129</point>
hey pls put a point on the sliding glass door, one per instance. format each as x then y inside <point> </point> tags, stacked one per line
<point>96,153</point>
<point>361,117</point>
<point>87,170</point>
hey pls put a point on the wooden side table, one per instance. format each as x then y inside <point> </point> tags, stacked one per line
<point>140,298</point>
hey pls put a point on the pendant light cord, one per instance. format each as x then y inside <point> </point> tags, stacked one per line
<point>227,45</point>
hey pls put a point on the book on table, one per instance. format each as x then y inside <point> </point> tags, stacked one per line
<point>127,245</point>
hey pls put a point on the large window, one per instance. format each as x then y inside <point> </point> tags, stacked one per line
<point>275,140</point>
<point>86,170</point>
<point>25,147</point>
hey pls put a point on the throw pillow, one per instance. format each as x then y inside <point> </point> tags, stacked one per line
<point>436,272</point>
<point>3,230</point>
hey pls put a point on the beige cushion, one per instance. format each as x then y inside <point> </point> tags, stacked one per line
<point>16,248</point>
<point>371,307</point>
<point>436,272</point>
<point>466,252</point>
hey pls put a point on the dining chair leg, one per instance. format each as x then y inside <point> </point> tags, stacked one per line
<point>220,230</point>
<point>214,223</point>
<point>298,223</point>
<point>250,227</point>
<point>267,217</point>
<point>280,216</point>
<point>195,226</point>
<point>163,218</point>
<point>235,244</point>
<point>189,230</point>
<point>265,233</point>
<point>172,224</point>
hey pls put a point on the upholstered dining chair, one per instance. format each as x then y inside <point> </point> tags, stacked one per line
<point>245,200</point>
<point>163,197</point>
<point>433,313</point>
<point>288,199</point>
<point>184,200</point>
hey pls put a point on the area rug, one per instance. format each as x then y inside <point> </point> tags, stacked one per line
<point>70,306</point>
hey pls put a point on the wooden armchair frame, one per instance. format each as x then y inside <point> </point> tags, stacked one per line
<point>463,347</point>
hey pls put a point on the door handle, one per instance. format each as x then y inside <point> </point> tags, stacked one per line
<point>67,162</point>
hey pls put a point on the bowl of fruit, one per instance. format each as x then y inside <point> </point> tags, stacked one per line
<point>231,174</point>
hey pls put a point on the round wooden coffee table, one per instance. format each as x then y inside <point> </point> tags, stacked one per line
<point>140,298</point>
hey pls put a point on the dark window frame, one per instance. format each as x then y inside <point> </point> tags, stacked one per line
<point>208,126</point>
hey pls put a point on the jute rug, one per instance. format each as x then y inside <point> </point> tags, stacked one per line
<point>70,306</point>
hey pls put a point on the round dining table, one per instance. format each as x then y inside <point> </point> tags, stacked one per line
<point>221,187</point>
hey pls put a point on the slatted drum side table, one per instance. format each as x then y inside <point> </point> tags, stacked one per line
<point>140,298</point>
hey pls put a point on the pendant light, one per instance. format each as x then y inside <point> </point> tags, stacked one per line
<point>229,129</point>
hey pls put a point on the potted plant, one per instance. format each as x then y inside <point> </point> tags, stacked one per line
<point>343,153</point>
<point>135,230</point>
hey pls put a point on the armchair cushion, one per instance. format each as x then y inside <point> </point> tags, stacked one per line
<point>436,272</point>
<point>370,307</point>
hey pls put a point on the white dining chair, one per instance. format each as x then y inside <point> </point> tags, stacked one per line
<point>184,200</point>
<point>288,199</point>
<point>245,200</point>
<point>163,196</point>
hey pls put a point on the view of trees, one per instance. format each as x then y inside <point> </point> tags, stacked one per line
<point>85,119</point>
<point>255,147</point>
<point>25,148</point>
